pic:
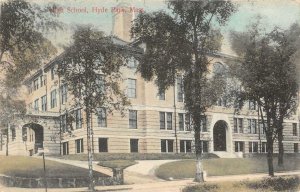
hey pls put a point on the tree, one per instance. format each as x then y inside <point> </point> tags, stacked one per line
<point>22,49</point>
<point>268,77</point>
<point>22,44</point>
<point>90,67</point>
<point>179,44</point>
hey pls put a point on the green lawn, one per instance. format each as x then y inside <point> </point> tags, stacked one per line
<point>117,163</point>
<point>21,166</point>
<point>218,167</point>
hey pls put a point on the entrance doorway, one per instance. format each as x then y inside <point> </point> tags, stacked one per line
<point>219,136</point>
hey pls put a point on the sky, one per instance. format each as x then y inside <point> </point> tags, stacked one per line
<point>281,13</point>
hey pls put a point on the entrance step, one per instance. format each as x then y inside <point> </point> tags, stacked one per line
<point>224,154</point>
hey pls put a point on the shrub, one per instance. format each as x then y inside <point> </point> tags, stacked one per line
<point>276,184</point>
<point>202,188</point>
<point>137,156</point>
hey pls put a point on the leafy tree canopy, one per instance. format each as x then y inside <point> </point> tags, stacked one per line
<point>91,68</point>
<point>21,38</point>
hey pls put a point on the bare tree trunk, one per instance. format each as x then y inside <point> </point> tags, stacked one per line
<point>270,155</point>
<point>280,145</point>
<point>7,138</point>
<point>198,148</point>
<point>90,154</point>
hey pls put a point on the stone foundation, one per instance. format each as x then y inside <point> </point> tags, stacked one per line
<point>56,182</point>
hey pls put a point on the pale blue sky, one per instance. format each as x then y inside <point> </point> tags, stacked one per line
<point>274,12</point>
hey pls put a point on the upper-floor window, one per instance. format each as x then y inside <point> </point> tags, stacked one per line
<point>101,115</point>
<point>131,90</point>
<point>295,131</point>
<point>252,105</point>
<point>132,119</point>
<point>35,84</point>
<point>44,103</point>
<point>36,104</point>
<point>78,119</point>
<point>261,126</point>
<point>219,68</point>
<point>52,73</point>
<point>42,80</point>
<point>64,123</point>
<point>252,126</point>
<point>165,120</point>
<point>53,98</point>
<point>100,84</point>
<point>132,63</point>
<point>238,125</point>
<point>179,89</point>
<point>161,95</point>
<point>64,93</point>
<point>203,124</point>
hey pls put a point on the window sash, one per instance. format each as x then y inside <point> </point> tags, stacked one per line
<point>181,121</point>
<point>132,119</point>
<point>53,99</point>
<point>102,117</point>
<point>131,88</point>
<point>169,121</point>
<point>78,119</point>
<point>162,123</point>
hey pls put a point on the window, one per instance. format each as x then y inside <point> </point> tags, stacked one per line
<point>296,149</point>
<point>295,132</point>
<point>169,121</point>
<point>238,125</point>
<point>13,133</point>
<point>35,84</point>
<point>165,119</point>
<point>100,84</point>
<point>103,144</point>
<point>264,147</point>
<point>44,103</point>
<point>101,116</point>
<point>24,133</point>
<point>65,146</point>
<point>203,126</point>
<point>134,145</point>
<point>222,102</point>
<point>36,105</point>
<point>132,63</point>
<point>179,89</point>
<point>204,146</point>
<point>42,80</point>
<point>162,123</point>
<point>79,145</point>
<point>166,146</point>
<point>239,146</point>
<point>132,119</point>
<point>252,128</point>
<point>78,119</point>
<point>64,123</point>
<point>181,121</point>
<point>261,127</point>
<point>52,73</point>
<point>185,146</point>
<point>161,95</point>
<point>252,105</point>
<point>188,124</point>
<point>53,98</point>
<point>131,91</point>
<point>253,147</point>
<point>64,93</point>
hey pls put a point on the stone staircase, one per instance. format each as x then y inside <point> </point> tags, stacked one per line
<point>225,154</point>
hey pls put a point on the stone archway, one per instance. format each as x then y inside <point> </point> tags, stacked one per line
<point>33,134</point>
<point>219,136</point>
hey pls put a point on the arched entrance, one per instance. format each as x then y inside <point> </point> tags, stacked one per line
<point>33,134</point>
<point>219,136</point>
